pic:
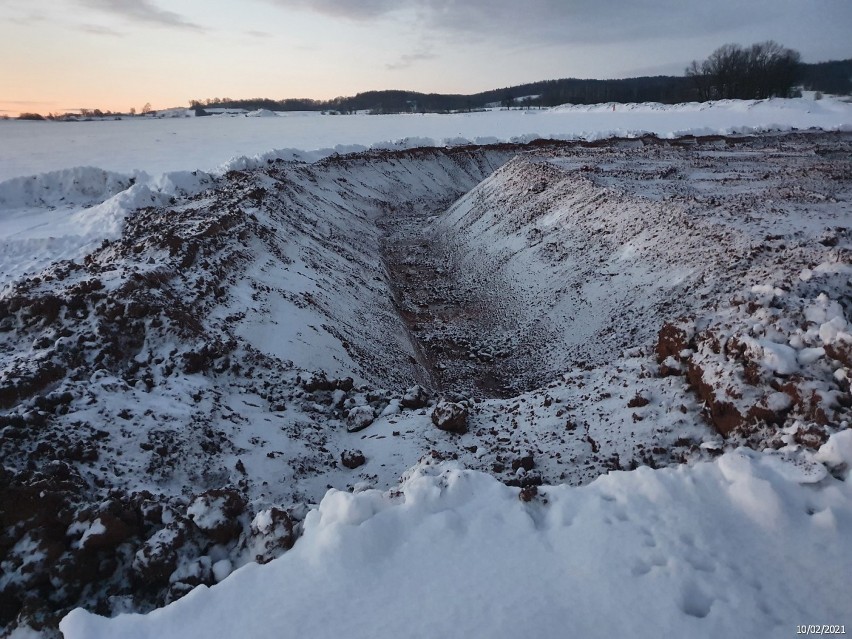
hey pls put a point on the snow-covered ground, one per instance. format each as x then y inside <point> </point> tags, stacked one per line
<point>64,185</point>
<point>185,144</point>
<point>749,545</point>
<point>189,361</point>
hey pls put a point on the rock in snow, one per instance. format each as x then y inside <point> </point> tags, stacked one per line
<point>415,397</point>
<point>352,458</point>
<point>451,417</point>
<point>216,511</point>
<point>359,418</point>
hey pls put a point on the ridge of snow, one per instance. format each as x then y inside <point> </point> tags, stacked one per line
<point>735,546</point>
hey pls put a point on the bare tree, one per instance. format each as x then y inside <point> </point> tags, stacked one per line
<point>771,69</point>
<point>701,79</point>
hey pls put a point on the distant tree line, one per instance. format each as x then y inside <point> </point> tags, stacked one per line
<point>84,114</point>
<point>547,93</point>
<point>828,77</point>
<point>761,70</point>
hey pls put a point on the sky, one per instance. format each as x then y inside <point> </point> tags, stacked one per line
<point>61,55</point>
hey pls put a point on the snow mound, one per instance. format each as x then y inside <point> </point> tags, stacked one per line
<point>736,546</point>
<point>411,142</point>
<point>65,214</point>
<point>262,113</point>
<point>34,238</point>
<point>82,186</point>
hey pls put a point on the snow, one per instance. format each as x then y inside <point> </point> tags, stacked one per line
<point>262,113</point>
<point>263,521</point>
<point>82,186</point>
<point>833,329</point>
<point>65,214</point>
<point>206,515</point>
<point>96,528</point>
<point>779,358</point>
<point>158,145</point>
<point>221,569</point>
<point>838,450</point>
<point>25,632</point>
<point>823,310</point>
<point>808,356</point>
<point>47,179</point>
<point>551,268</point>
<point>743,546</point>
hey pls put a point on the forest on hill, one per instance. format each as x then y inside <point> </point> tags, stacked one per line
<point>833,77</point>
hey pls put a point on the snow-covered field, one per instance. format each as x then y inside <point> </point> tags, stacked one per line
<point>637,352</point>
<point>185,144</point>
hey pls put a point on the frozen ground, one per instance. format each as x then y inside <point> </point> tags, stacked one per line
<point>183,390</point>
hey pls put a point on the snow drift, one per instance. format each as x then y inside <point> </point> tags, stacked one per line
<point>750,544</point>
<point>65,214</point>
<point>83,186</point>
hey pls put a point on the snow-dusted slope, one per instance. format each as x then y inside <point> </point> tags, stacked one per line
<point>749,545</point>
<point>594,246</point>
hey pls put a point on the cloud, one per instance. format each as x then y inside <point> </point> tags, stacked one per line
<point>27,20</point>
<point>143,11</point>
<point>545,22</point>
<point>408,59</point>
<point>353,9</point>
<point>97,29</point>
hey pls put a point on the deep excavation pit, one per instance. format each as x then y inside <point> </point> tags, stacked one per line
<point>461,331</point>
<point>502,268</point>
<point>572,256</point>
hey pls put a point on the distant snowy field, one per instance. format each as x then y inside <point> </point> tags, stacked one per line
<point>66,186</point>
<point>176,144</point>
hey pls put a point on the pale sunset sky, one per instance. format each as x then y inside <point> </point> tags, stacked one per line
<point>60,55</point>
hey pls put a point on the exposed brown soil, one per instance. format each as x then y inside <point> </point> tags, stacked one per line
<point>463,334</point>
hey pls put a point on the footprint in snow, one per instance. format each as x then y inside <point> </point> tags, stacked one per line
<point>693,601</point>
